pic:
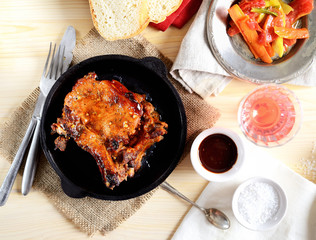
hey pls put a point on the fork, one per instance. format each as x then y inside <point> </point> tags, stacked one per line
<point>47,80</point>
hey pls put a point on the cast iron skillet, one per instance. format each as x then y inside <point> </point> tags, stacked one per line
<point>76,168</point>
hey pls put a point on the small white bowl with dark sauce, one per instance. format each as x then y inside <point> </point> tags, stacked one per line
<point>217,154</point>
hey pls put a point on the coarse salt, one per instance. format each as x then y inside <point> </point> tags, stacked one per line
<point>307,166</point>
<point>258,203</point>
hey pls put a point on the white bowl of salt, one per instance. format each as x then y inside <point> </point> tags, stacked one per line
<point>259,204</point>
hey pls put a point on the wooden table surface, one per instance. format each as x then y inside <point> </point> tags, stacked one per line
<point>26,29</point>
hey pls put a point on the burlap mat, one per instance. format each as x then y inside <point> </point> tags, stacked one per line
<point>88,214</point>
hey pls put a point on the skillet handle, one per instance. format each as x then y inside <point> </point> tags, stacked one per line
<point>156,65</point>
<point>71,190</point>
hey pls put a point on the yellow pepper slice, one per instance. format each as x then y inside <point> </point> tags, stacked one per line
<point>286,8</point>
<point>272,3</point>
<point>277,46</point>
<point>260,17</point>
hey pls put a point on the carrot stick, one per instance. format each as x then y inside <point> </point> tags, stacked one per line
<point>250,35</point>
<point>254,52</point>
<point>269,49</point>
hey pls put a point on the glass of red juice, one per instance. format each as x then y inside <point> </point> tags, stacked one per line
<point>270,115</point>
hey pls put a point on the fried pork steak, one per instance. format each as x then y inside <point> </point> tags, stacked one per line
<point>116,126</point>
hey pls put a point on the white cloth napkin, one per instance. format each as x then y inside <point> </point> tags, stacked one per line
<point>196,68</point>
<point>298,223</point>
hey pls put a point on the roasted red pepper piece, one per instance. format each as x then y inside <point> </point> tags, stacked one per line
<point>291,33</point>
<point>300,9</point>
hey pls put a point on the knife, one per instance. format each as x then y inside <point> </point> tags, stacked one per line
<point>68,42</point>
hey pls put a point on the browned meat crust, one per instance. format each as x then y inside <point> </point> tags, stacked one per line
<point>113,124</point>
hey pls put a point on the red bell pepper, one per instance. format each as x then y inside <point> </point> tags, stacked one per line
<point>300,9</point>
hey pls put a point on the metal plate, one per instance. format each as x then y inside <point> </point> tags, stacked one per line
<point>233,54</point>
<point>76,168</point>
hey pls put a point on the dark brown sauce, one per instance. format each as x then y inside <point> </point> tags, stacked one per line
<point>218,153</point>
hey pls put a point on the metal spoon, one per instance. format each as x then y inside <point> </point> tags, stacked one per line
<point>213,215</point>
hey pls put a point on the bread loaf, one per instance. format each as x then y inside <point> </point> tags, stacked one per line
<point>160,9</point>
<point>121,19</point>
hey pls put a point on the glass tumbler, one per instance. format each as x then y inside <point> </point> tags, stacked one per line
<point>270,115</point>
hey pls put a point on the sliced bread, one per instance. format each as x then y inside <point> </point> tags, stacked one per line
<point>119,19</point>
<point>160,9</point>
